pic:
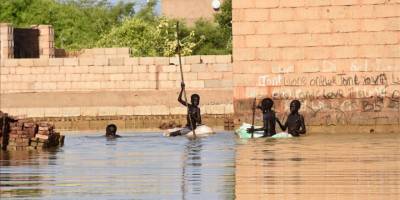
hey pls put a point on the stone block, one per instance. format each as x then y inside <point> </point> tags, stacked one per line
<point>116,61</point>
<point>195,84</point>
<point>146,61</point>
<point>71,62</point>
<point>222,67</point>
<point>308,13</point>
<point>10,62</point>
<point>317,52</point>
<point>63,85</point>
<point>166,84</point>
<point>344,52</point>
<point>161,61</point>
<point>319,26</point>
<point>25,62</point>
<point>209,75</point>
<point>192,60</point>
<point>110,51</point>
<point>198,68</point>
<point>212,84</point>
<point>100,61</point>
<point>23,70</point>
<point>214,109</point>
<point>223,59</point>
<point>98,51</point>
<point>244,28</point>
<point>96,69</point>
<point>140,68</point>
<point>86,61</point>
<point>123,51</point>
<point>169,68</point>
<point>40,62</point>
<point>56,61</point>
<point>132,61</point>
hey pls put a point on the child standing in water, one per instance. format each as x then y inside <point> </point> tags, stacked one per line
<point>193,117</point>
<point>269,118</point>
<point>295,121</point>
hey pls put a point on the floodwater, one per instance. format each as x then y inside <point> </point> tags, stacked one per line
<point>150,166</point>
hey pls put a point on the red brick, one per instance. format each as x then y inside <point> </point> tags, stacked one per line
<point>392,10</point>
<point>267,4</point>
<point>344,52</point>
<point>345,25</point>
<point>292,3</point>
<point>244,54</point>
<point>243,28</point>
<point>317,52</point>
<point>294,27</point>
<point>282,14</point>
<point>269,27</point>
<point>366,11</point>
<point>256,15</point>
<point>319,26</point>
<point>292,53</point>
<point>257,40</point>
<point>269,53</point>
<point>286,40</point>
<point>243,4</point>
<point>317,2</point>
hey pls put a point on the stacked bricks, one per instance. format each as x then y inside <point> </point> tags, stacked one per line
<point>46,137</point>
<point>24,135</point>
<point>325,53</point>
<point>6,41</point>
<point>46,41</point>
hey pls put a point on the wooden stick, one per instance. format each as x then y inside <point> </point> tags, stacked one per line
<point>252,119</point>
<point>183,81</point>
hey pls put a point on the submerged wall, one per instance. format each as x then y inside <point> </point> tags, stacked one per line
<point>340,58</point>
<point>107,82</point>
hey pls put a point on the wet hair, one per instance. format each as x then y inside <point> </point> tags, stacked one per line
<point>111,129</point>
<point>296,103</point>
<point>195,96</point>
<point>267,103</point>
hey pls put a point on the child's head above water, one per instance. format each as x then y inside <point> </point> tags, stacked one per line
<point>111,130</point>
<point>295,106</point>
<point>195,99</point>
<point>266,104</point>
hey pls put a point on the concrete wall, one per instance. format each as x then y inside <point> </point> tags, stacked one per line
<point>107,82</point>
<point>340,58</point>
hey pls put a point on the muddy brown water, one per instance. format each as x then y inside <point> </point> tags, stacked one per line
<point>150,166</point>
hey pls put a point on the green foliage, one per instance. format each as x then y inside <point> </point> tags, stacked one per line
<point>148,38</point>
<point>217,37</point>
<point>88,23</point>
<point>77,23</point>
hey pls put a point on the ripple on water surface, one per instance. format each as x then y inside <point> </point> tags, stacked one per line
<point>150,166</point>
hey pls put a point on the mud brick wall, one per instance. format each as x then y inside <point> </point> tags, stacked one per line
<point>340,58</point>
<point>107,82</point>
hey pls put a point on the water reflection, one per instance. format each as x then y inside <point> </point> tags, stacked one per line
<point>319,166</point>
<point>18,181</point>
<point>136,166</point>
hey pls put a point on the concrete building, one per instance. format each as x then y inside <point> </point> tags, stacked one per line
<point>189,10</point>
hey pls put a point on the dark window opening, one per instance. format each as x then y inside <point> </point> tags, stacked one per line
<point>26,43</point>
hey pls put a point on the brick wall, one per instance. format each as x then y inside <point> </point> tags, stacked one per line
<point>340,58</point>
<point>104,82</point>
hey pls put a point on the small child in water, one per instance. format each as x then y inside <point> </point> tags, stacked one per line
<point>295,121</point>
<point>193,117</point>
<point>269,118</point>
<point>111,131</point>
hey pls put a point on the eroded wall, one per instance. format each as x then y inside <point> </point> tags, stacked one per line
<point>340,58</point>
